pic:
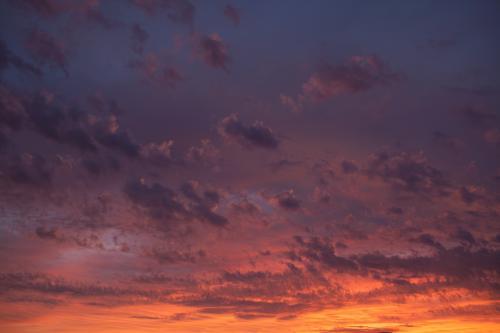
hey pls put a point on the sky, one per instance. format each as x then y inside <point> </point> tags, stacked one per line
<point>249,166</point>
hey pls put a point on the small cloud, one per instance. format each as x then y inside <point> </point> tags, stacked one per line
<point>139,37</point>
<point>357,74</point>
<point>213,51</point>
<point>256,135</point>
<point>232,14</point>
<point>286,200</point>
<point>47,50</point>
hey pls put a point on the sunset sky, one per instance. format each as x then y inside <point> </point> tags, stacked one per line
<point>258,166</point>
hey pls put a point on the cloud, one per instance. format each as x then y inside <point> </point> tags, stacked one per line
<point>98,165</point>
<point>283,164</point>
<point>410,172</point>
<point>458,264</point>
<point>45,49</point>
<point>9,59</point>
<point>182,11</point>
<point>429,240</point>
<point>321,251</point>
<point>256,135</point>
<point>66,124</point>
<point>158,153</point>
<point>46,233</point>
<point>202,206</point>
<point>165,205</point>
<point>26,169</point>
<point>165,256</point>
<point>349,167</point>
<point>89,10</point>
<point>478,116</point>
<point>139,37</point>
<point>59,124</point>
<point>42,283</point>
<point>45,8</point>
<point>465,236</point>
<point>107,133</point>
<point>441,43</point>
<point>205,153</point>
<point>469,195</point>
<point>152,68</point>
<point>12,109</point>
<point>286,200</point>
<point>357,74</point>
<point>159,202</point>
<point>213,51</point>
<point>450,142</point>
<point>244,206</point>
<point>232,14</point>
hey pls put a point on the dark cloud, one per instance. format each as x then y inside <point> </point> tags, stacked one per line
<point>158,153</point>
<point>182,11</point>
<point>93,166</point>
<point>108,134</point>
<point>481,91</point>
<point>205,153</point>
<point>287,200</point>
<point>165,256</point>
<point>457,263</point>
<point>213,51</point>
<point>153,69</point>
<point>165,205</point>
<point>170,76</point>
<point>46,233</point>
<point>256,135</point>
<point>478,116</point>
<point>9,59</point>
<point>429,240</point>
<point>396,210</point>
<point>469,196</point>
<point>349,167</point>
<point>357,74</point>
<point>139,37</point>
<point>101,105</point>
<point>58,123</point>
<point>202,206</point>
<point>88,10</point>
<point>45,49</point>
<point>441,43</point>
<point>91,13</point>
<point>448,141</point>
<point>45,8</point>
<point>323,252</point>
<point>244,206</point>
<point>232,14</point>
<point>410,172</point>
<point>64,124</point>
<point>98,165</point>
<point>12,109</point>
<point>465,236</point>
<point>56,286</point>
<point>26,169</point>
<point>4,142</point>
<point>283,164</point>
<point>159,202</point>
